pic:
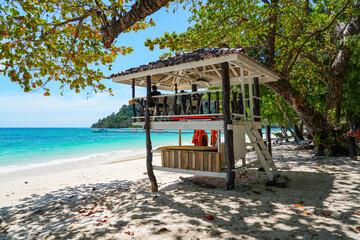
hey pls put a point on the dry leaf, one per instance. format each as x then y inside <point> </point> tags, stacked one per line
<point>357,228</point>
<point>358,213</point>
<point>209,217</point>
<point>326,214</point>
<point>317,166</point>
<point>298,205</point>
<point>162,229</point>
<point>90,213</point>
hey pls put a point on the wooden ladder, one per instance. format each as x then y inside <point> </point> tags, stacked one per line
<point>264,157</point>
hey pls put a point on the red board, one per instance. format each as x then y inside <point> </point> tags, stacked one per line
<point>193,117</point>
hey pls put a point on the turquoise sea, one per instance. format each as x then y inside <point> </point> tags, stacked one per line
<point>27,148</point>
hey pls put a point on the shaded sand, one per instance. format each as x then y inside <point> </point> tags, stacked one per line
<point>114,202</point>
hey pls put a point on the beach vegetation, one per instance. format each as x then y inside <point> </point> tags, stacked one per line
<point>308,42</point>
<point>64,42</point>
<point>122,119</point>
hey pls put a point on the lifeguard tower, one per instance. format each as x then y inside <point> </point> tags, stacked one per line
<point>235,111</point>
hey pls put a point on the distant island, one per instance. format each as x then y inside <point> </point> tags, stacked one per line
<point>122,119</point>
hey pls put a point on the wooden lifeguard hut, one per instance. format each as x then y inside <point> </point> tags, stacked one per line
<point>235,111</point>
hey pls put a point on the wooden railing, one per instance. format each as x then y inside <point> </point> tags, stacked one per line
<point>205,103</point>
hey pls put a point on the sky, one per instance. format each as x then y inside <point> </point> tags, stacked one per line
<point>20,109</point>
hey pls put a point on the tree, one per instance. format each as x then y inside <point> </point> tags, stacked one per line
<point>293,37</point>
<point>58,40</point>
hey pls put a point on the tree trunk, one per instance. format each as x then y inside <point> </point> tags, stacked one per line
<point>141,9</point>
<point>149,158</point>
<point>337,72</point>
<point>335,85</point>
<point>228,134</point>
<point>299,131</point>
<point>329,140</point>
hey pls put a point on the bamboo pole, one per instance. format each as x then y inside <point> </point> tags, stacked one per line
<point>149,167</point>
<point>229,148</point>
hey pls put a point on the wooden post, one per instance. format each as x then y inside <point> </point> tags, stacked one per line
<point>229,149</point>
<point>352,147</point>
<point>217,102</point>
<point>240,105</point>
<point>133,96</point>
<point>194,87</point>
<point>268,135</point>
<point>251,100</point>
<point>179,137</point>
<point>149,167</point>
<point>257,103</point>
<point>209,102</point>
<point>176,88</point>
<point>257,100</point>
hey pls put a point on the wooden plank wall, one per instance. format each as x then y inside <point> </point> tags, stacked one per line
<point>194,160</point>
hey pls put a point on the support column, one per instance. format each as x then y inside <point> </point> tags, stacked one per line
<point>194,87</point>
<point>257,99</point>
<point>149,167</point>
<point>229,147</point>
<point>268,135</point>
<point>257,103</point>
<point>133,96</point>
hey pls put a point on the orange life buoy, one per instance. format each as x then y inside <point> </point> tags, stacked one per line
<point>214,136</point>
<point>200,138</point>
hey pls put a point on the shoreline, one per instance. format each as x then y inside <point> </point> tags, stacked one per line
<point>18,172</point>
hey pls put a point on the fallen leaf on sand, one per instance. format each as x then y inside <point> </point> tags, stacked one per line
<point>357,229</point>
<point>90,213</point>
<point>154,197</point>
<point>305,212</point>
<point>101,221</point>
<point>326,214</point>
<point>358,213</point>
<point>129,233</point>
<point>162,229</point>
<point>209,217</point>
<point>317,166</point>
<point>298,205</point>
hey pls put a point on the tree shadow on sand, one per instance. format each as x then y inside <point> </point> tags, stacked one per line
<point>315,205</point>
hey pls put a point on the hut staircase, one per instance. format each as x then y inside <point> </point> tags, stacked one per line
<point>265,159</point>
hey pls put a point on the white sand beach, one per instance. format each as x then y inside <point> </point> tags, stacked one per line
<point>113,201</point>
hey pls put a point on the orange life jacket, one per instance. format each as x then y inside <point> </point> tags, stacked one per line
<point>214,136</point>
<point>200,138</point>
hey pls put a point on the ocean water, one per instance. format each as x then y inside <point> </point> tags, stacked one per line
<point>28,148</point>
